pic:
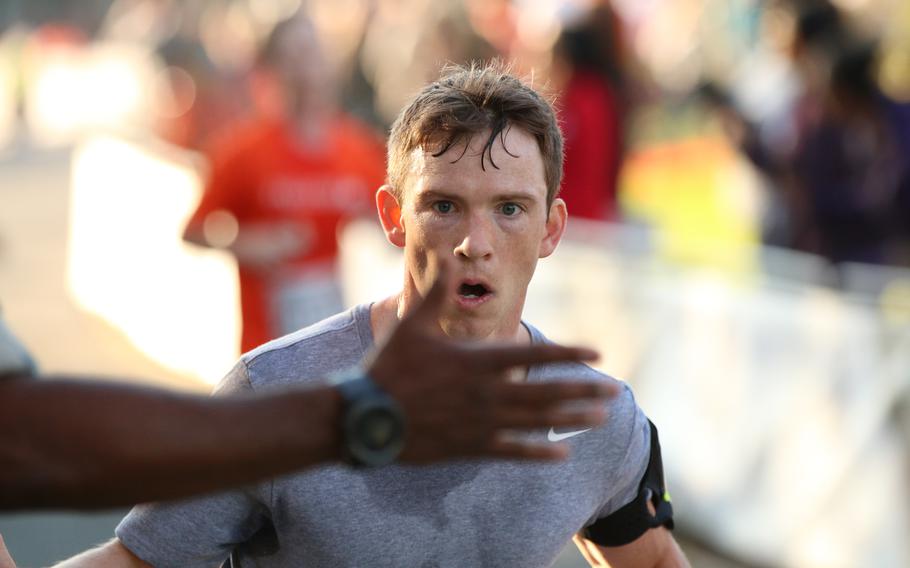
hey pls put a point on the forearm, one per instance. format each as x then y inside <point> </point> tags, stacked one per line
<point>95,445</point>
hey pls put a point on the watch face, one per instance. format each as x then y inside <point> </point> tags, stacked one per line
<point>375,431</point>
<point>377,428</point>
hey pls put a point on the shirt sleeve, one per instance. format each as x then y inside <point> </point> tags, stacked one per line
<point>630,452</point>
<point>638,500</point>
<point>199,532</point>
<point>650,509</point>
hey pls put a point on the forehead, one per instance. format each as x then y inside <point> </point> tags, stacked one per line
<point>512,164</point>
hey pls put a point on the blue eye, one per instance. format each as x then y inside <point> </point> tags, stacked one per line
<point>510,209</point>
<point>443,207</point>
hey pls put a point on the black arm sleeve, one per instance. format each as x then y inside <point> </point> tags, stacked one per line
<point>632,520</point>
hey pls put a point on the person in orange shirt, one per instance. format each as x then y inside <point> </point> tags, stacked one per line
<point>282,184</point>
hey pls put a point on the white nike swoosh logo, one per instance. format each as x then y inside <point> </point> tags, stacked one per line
<point>554,437</point>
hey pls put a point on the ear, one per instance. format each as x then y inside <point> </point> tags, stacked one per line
<point>390,215</point>
<point>556,226</point>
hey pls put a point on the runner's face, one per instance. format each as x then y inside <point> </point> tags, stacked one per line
<point>491,220</point>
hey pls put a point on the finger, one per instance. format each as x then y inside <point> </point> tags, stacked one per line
<point>429,308</point>
<point>528,419</point>
<point>549,394</point>
<point>493,359</point>
<point>511,449</point>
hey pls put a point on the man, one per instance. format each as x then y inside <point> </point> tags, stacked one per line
<point>282,183</point>
<point>92,444</point>
<point>474,167</point>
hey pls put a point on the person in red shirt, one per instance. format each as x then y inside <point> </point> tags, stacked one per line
<point>590,109</point>
<point>282,184</point>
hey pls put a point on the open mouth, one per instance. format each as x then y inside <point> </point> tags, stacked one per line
<point>473,291</point>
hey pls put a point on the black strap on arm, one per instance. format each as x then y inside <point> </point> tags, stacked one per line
<point>632,520</point>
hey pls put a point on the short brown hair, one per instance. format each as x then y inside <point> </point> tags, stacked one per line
<point>466,101</point>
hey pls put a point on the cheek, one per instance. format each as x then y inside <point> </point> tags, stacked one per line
<point>418,260</point>
<point>523,248</point>
<point>521,238</point>
<point>523,267</point>
<point>420,248</point>
<point>427,224</point>
<point>427,234</point>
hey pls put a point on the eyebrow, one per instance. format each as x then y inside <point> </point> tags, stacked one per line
<point>425,198</point>
<point>433,194</point>
<point>519,196</point>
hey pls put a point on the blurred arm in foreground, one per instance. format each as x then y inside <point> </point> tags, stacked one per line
<point>86,444</point>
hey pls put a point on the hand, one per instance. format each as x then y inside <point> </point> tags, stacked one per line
<point>6,561</point>
<point>457,399</point>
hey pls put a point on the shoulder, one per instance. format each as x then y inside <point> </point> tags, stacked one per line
<point>625,417</point>
<point>567,370</point>
<point>311,353</point>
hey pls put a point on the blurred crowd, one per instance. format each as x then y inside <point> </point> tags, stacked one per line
<point>289,101</point>
<point>835,155</point>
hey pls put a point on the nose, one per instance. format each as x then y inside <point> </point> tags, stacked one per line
<point>477,243</point>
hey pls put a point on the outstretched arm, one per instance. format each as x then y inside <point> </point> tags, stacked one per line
<point>83,444</point>
<point>88,444</point>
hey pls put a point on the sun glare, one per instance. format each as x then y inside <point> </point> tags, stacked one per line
<point>127,263</point>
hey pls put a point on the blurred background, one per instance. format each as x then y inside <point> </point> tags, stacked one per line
<point>737,177</point>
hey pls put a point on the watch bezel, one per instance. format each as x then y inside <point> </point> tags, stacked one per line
<point>377,406</point>
<point>363,399</point>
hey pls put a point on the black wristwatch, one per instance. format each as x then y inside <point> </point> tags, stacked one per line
<point>372,423</point>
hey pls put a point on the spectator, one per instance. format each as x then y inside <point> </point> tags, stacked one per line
<point>591,111</point>
<point>282,185</point>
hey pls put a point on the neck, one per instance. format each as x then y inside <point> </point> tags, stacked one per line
<point>385,314</point>
<point>383,318</point>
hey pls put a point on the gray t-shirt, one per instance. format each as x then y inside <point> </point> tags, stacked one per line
<point>468,513</point>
